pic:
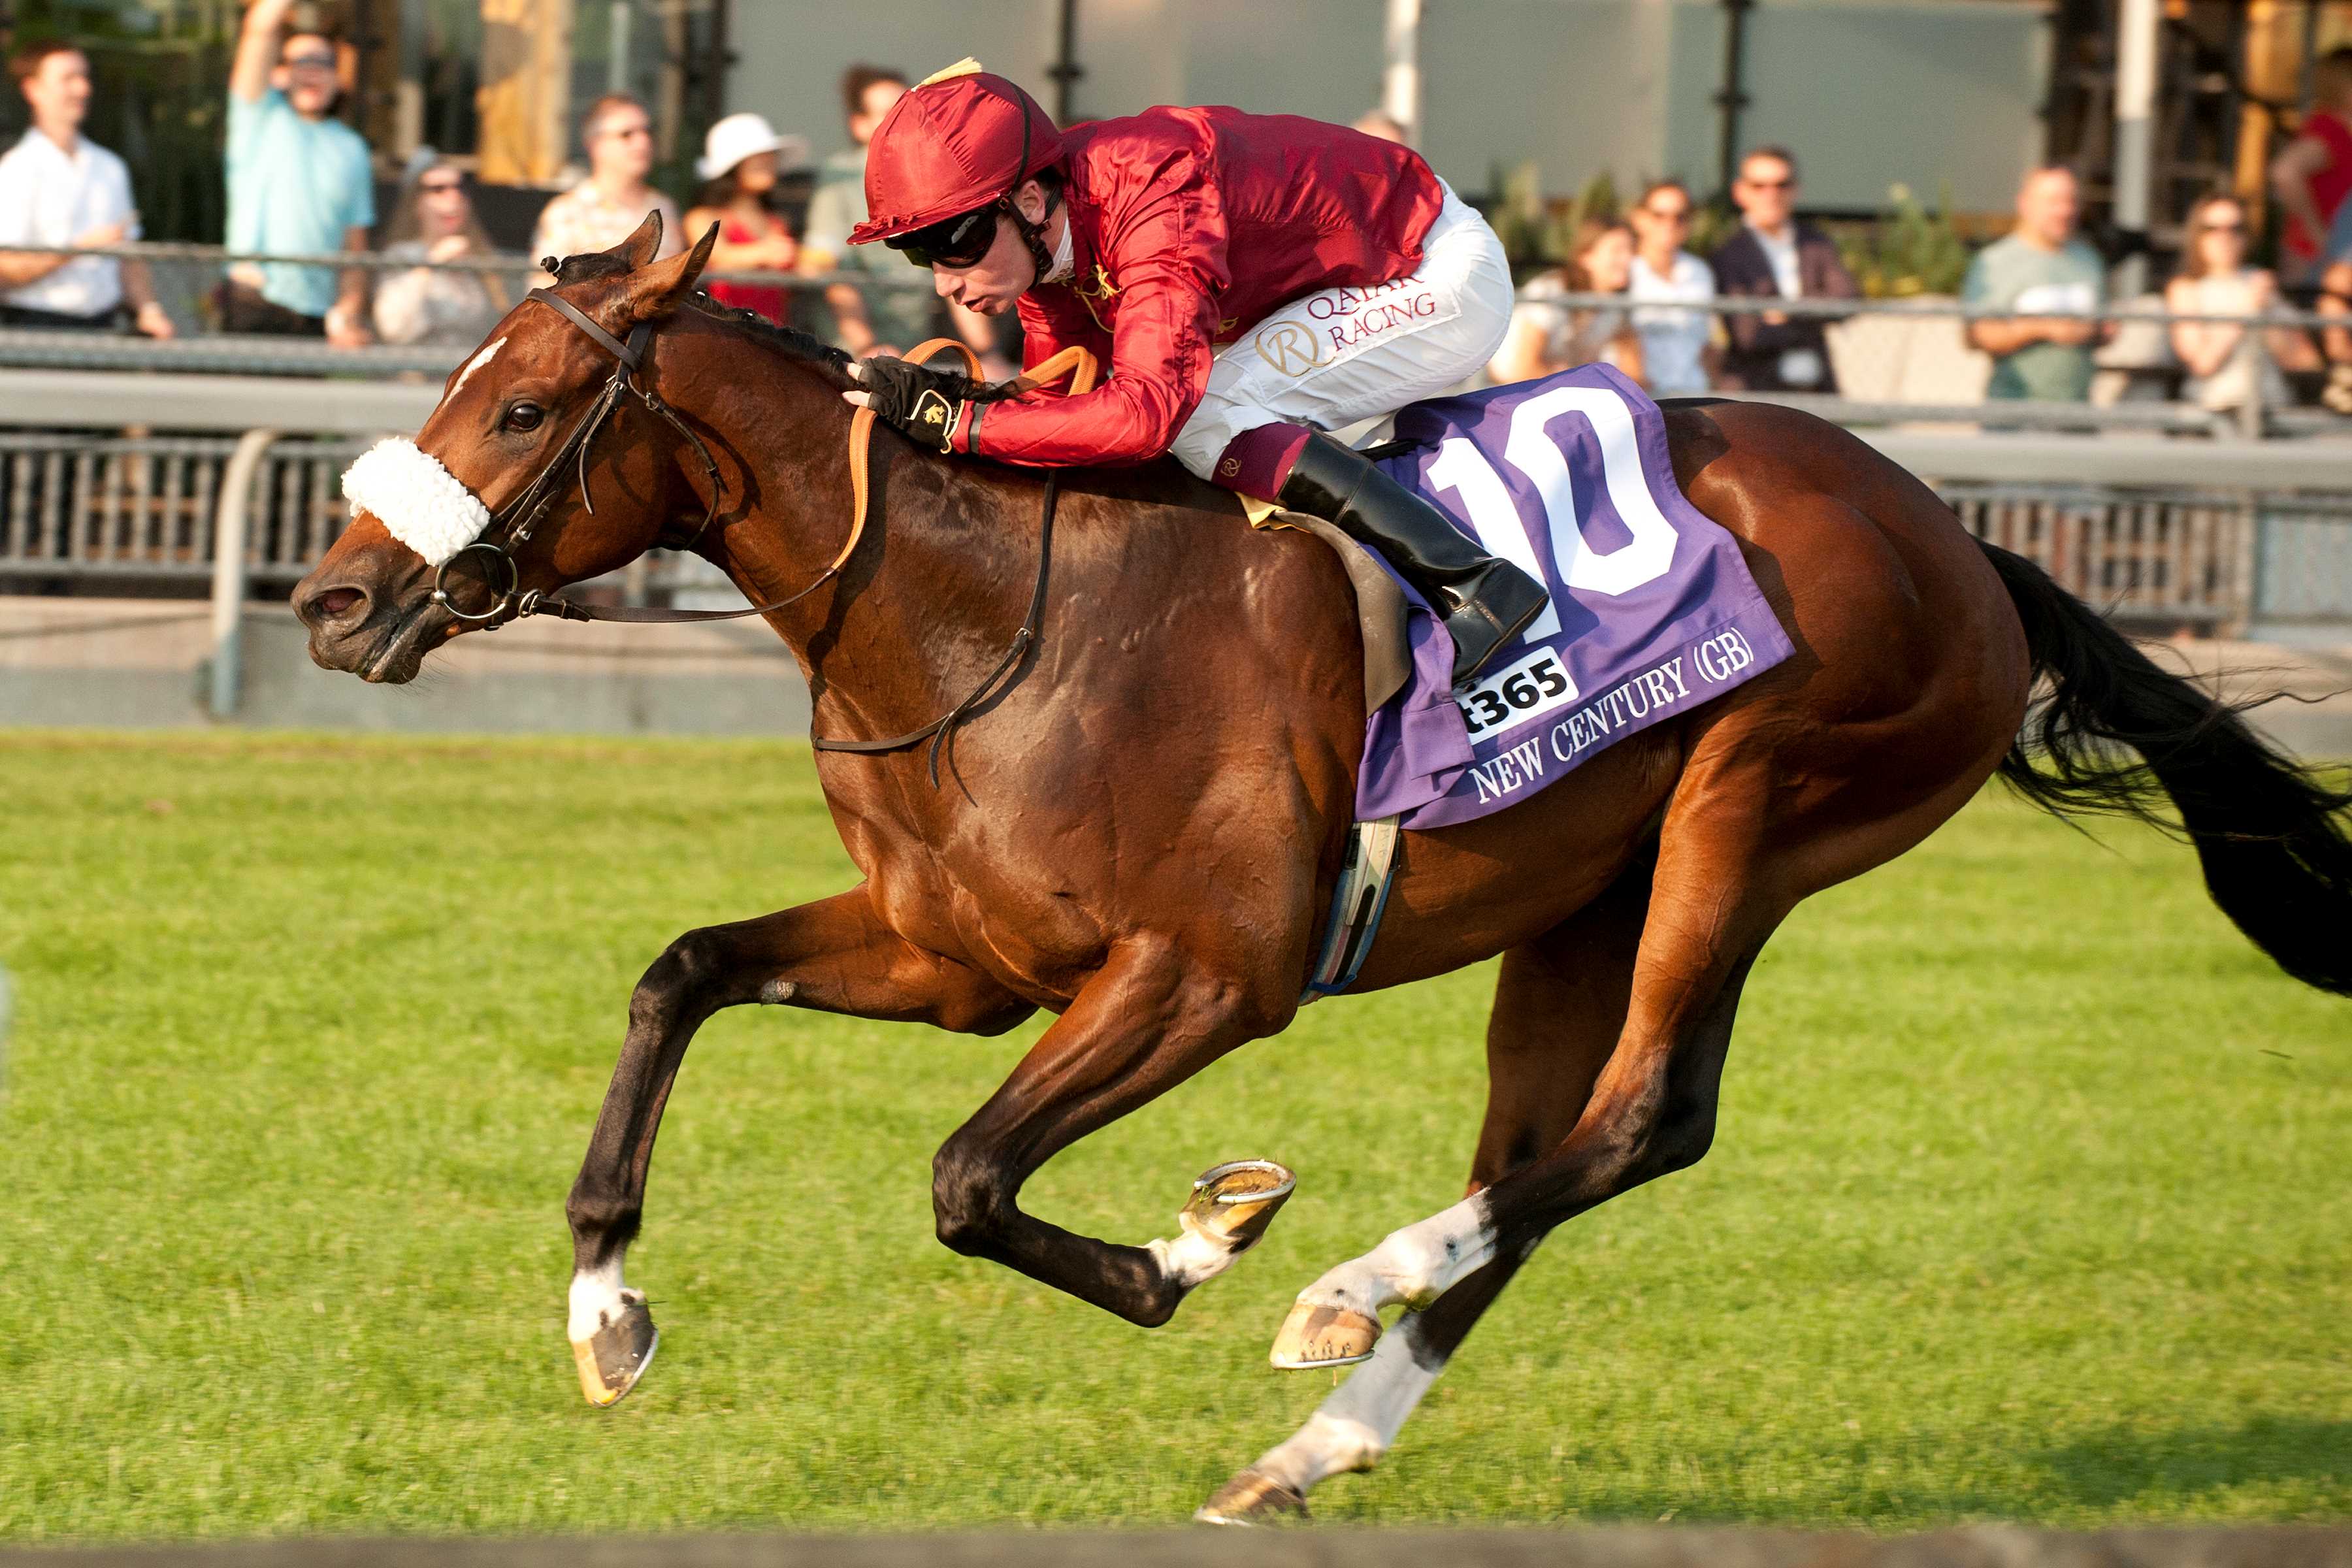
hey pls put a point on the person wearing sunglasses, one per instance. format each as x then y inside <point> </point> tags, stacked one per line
<point>1247,282</point>
<point>2227,362</point>
<point>606,207</point>
<point>435,303</point>
<point>1677,346</point>
<point>299,183</point>
<point>1777,255</point>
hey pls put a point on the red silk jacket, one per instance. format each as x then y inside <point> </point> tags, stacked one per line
<point>1189,226</point>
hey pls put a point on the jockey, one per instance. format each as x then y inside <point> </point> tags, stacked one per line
<point>1249,280</point>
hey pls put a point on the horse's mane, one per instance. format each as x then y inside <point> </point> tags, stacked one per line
<point>796,343</point>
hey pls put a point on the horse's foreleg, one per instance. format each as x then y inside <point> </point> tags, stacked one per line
<point>834,955</point>
<point>1558,1006</point>
<point>1146,1022</point>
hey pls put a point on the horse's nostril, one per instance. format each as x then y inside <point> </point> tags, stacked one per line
<point>329,605</point>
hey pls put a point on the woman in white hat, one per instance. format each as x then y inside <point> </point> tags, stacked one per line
<point>740,160</point>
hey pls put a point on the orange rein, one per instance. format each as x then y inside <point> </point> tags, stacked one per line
<point>1075,362</point>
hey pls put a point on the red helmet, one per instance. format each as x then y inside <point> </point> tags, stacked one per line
<point>952,144</point>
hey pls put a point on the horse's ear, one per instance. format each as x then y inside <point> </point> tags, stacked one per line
<point>643,246</point>
<point>659,289</point>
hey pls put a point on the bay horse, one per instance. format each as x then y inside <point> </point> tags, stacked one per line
<point>1140,829</point>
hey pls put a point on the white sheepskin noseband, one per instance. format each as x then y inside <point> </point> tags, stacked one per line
<point>419,501</point>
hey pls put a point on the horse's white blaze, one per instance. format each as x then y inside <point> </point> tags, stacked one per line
<point>1414,1266</point>
<point>419,502</point>
<point>477,363</point>
<point>1353,1428</point>
<point>598,1297</point>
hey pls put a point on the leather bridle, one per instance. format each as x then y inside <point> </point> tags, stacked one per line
<point>520,517</point>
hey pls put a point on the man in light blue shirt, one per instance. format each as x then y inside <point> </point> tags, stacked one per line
<point>298,184</point>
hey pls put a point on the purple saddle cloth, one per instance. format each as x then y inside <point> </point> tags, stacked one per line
<point>1652,610</point>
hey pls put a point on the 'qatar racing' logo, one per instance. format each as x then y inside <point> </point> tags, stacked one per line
<point>1337,321</point>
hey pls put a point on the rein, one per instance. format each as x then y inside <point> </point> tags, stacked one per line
<point>520,516</point>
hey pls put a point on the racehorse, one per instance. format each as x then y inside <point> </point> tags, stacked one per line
<point>1139,827</point>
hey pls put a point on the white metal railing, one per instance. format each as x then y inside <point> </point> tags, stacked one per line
<point>135,512</point>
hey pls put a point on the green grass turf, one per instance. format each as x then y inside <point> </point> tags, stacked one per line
<point>2029,1199</point>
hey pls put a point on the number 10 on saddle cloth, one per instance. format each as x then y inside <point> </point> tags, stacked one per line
<point>1652,610</point>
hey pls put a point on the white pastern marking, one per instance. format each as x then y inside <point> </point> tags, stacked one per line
<point>1194,1257</point>
<point>478,361</point>
<point>598,1297</point>
<point>1353,1428</point>
<point>1414,1266</point>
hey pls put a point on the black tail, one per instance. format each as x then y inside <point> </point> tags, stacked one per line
<point>2277,858</point>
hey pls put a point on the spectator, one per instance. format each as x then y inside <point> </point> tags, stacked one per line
<point>435,223</point>
<point>298,184</point>
<point>872,316</point>
<point>1379,122</point>
<point>740,158</point>
<point>1677,346</point>
<point>2336,300</point>
<point>2038,271</point>
<point>606,207</point>
<point>1548,334</point>
<point>2227,367</point>
<point>2313,173</point>
<point>1776,255</point>
<point>58,189</point>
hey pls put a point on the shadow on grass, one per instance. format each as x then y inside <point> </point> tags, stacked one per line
<point>2126,1463</point>
<point>2125,1472</point>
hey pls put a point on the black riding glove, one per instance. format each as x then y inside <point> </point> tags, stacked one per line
<point>927,404</point>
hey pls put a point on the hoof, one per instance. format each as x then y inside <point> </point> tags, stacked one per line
<point>1315,1335</point>
<point>1252,1496</point>
<point>613,1358</point>
<point>1233,1204</point>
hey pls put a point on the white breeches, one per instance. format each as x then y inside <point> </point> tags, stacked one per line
<point>1339,355</point>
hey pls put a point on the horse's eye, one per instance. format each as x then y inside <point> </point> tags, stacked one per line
<point>524,416</point>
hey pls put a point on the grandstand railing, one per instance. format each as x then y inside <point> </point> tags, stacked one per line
<point>130,509</point>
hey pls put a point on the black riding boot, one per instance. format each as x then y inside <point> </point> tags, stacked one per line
<point>1485,601</point>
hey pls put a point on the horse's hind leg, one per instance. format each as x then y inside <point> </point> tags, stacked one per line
<point>1558,1006</point>
<point>834,955</point>
<point>1651,1109</point>
<point>1767,812</point>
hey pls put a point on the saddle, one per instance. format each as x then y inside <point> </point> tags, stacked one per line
<point>1380,603</point>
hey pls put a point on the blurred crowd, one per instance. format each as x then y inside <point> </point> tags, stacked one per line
<point>1630,291</point>
<point>301,184</point>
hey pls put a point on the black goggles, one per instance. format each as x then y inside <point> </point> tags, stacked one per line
<point>959,241</point>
